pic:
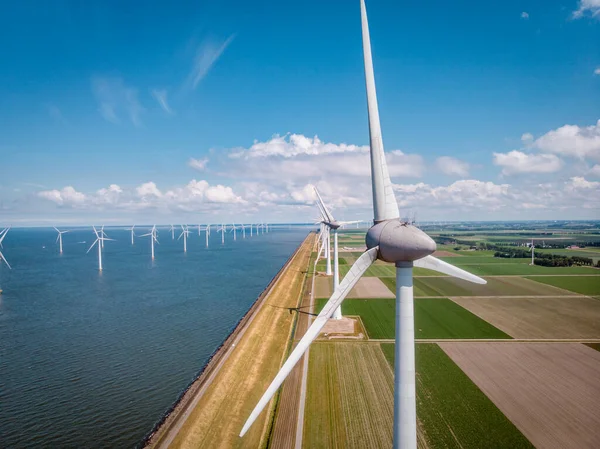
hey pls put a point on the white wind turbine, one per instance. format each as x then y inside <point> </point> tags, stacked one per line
<point>207,233</point>
<point>333,225</point>
<point>100,241</point>
<point>222,230</point>
<point>103,234</point>
<point>251,226</point>
<point>172,232</point>
<point>59,239</point>
<point>184,233</point>
<point>131,229</point>
<point>532,253</point>
<point>2,236</point>
<point>390,240</point>
<point>153,238</point>
<point>243,231</point>
<point>233,229</point>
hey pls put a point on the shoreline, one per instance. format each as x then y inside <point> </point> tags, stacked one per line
<point>163,426</point>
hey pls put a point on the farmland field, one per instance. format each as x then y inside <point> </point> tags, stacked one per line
<point>500,269</point>
<point>558,317</point>
<point>496,286</point>
<point>388,270</point>
<point>349,401</point>
<point>586,285</point>
<point>434,318</point>
<point>549,391</point>
<point>452,411</point>
<point>474,260</point>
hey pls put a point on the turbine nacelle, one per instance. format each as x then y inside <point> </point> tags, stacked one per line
<point>399,241</point>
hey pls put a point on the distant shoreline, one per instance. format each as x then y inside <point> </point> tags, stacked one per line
<point>172,414</point>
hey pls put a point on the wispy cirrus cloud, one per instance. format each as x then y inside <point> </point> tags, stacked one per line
<point>160,95</point>
<point>207,54</point>
<point>198,164</point>
<point>587,7</point>
<point>115,100</point>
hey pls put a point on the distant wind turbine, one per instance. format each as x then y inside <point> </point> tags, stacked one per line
<point>222,230</point>
<point>59,239</point>
<point>2,236</point>
<point>207,233</point>
<point>103,234</point>
<point>153,239</point>
<point>532,253</point>
<point>184,233</point>
<point>99,240</point>
<point>132,233</point>
<point>234,230</point>
<point>333,225</point>
<point>391,240</point>
<point>172,232</point>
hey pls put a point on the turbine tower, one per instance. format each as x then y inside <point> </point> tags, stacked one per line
<point>172,232</point>
<point>132,233</point>
<point>184,233</point>
<point>153,239</point>
<point>390,240</point>
<point>59,239</point>
<point>333,225</point>
<point>532,253</point>
<point>2,235</point>
<point>100,241</point>
<point>207,233</point>
<point>233,229</point>
<point>222,230</point>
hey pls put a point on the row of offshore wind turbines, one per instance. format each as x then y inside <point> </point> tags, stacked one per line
<point>101,236</point>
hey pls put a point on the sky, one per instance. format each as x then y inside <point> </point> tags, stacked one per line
<point>208,111</point>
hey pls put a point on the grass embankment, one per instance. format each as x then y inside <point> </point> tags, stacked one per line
<point>453,412</point>
<point>586,285</point>
<point>435,318</point>
<point>349,402</point>
<point>220,413</point>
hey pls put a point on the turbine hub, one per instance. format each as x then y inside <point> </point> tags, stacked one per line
<point>399,242</point>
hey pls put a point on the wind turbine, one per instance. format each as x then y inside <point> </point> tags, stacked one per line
<point>2,235</point>
<point>243,231</point>
<point>532,253</point>
<point>233,229</point>
<point>251,226</point>
<point>100,241</point>
<point>222,230</point>
<point>390,240</point>
<point>207,233</point>
<point>132,233</point>
<point>59,239</point>
<point>333,225</point>
<point>153,239</point>
<point>172,232</point>
<point>103,234</point>
<point>184,234</point>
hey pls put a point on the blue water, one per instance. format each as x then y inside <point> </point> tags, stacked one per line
<point>91,359</point>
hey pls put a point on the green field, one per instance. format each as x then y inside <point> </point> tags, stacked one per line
<point>387,270</point>
<point>516,269</point>
<point>453,411</point>
<point>474,260</point>
<point>434,318</point>
<point>497,286</point>
<point>586,285</point>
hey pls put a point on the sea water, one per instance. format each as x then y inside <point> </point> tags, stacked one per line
<point>94,359</point>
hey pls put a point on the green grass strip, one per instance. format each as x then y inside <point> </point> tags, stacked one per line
<point>586,285</point>
<point>453,411</point>
<point>435,318</point>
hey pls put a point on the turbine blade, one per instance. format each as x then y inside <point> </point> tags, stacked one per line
<point>360,266</point>
<point>433,263</point>
<point>385,206</point>
<point>55,229</point>
<point>95,241</point>
<point>326,211</point>
<point>57,237</point>
<point>145,235</point>
<point>5,261</point>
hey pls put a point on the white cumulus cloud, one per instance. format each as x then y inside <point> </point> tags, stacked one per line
<point>515,162</point>
<point>572,140</point>
<point>66,196</point>
<point>452,166</point>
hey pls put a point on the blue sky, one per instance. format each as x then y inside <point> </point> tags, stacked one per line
<point>118,112</point>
